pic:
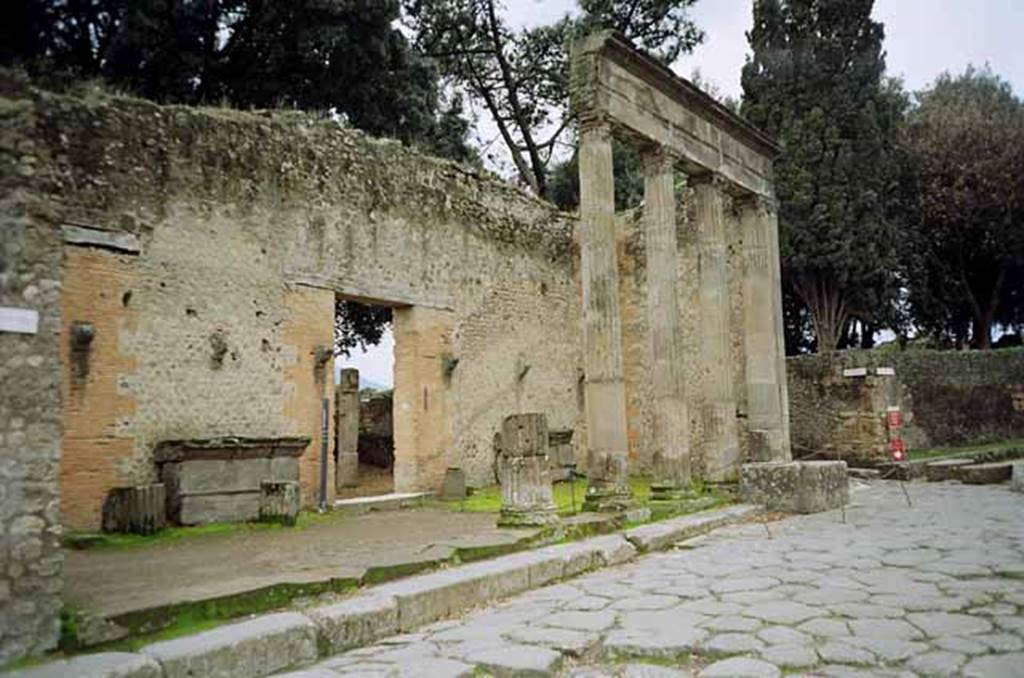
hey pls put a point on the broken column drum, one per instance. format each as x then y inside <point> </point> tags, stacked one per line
<point>524,472</point>
<point>617,90</point>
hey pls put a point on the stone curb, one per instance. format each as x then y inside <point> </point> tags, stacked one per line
<point>283,640</point>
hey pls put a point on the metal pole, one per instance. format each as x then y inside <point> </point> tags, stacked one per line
<point>324,408</point>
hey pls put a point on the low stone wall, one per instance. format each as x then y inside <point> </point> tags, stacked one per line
<point>945,398</point>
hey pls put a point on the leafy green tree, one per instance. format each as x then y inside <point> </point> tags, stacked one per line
<point>963,208</point>
<point>521,77</point>
<point>816,83</point>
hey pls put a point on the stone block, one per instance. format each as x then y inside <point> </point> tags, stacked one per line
<point>454,486</point>
<point>944,469</point>
<point>138,510</point>
<point>664,534</point>
<point>220,475</point>
<point>1017,477</point>
<point>279,501</point>
<point>219,508</point>
<point>524,472</point>
<point>99,665</point>
<point>796,486</point>
<point>258,647</point>
<point>985,474</point>
<point>430,597</point>
<point>356,622</point>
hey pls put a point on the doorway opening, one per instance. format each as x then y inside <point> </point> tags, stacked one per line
<point>364,395</point>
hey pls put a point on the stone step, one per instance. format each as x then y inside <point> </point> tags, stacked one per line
<point>945,469</point>
<point>381,502</point>
<point>985,474</point>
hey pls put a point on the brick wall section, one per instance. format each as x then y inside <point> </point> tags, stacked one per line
<point>309,324</point>
<point>947,397</point>
<point>97,451</point>
<point>30,395</point>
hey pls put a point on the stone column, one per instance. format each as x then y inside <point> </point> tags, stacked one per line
<point>671,454</point>
<point>524,472</point>
<point>604,387</point>
<point>346,403</point>
<point>718,410</point>
<point>762,330</point>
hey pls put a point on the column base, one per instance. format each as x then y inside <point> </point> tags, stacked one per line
<point>606,497</point>
<point>528,517</point>
<point>671,492</point>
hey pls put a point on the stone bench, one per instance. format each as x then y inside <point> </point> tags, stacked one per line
<point>219,479</point>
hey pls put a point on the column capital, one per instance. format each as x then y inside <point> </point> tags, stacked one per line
<point>659,159</point>
<point>755,202</point>
<point>713,179</point>
<point>596,125</point>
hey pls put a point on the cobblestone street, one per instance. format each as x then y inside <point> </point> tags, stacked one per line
<point>936,588</point>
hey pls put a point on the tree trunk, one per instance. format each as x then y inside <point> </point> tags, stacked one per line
<point>981,330</point>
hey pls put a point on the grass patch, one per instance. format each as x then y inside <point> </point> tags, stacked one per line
<point>965,450</point>
<point>90,540</point>
<point>568,497</point>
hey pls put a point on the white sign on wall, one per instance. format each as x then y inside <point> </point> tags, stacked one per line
<point>20,320</point>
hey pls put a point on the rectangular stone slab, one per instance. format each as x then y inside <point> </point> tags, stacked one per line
<point>258,647</point>
<point>944,469</point>
<point>985,474</point>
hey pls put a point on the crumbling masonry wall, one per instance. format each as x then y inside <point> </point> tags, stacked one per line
<point>946,397</point>
<point>205,247</point>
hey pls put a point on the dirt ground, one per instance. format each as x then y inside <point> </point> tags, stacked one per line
<point>109,581</point>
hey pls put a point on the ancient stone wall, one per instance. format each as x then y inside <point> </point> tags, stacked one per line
<point>30,398</point>
<point>946,397</point>
<point>205,248</point>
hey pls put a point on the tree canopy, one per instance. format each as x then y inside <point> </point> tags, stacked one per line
<point>521,77</point>
<point>816,83</point>
<point>963,208</point>
<point>339,57</point>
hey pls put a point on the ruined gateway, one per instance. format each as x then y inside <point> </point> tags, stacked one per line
<point>184,265</point>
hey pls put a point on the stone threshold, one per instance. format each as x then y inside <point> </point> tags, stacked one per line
<point>279,641</point>
<point>381,502</point>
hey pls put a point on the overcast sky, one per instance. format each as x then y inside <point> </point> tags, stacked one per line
<point>922,39</point>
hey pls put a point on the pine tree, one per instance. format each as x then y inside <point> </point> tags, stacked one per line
<point>816,83</point>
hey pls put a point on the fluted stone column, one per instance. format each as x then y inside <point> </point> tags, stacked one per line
<point>604,386</point>
<point>718,411</point>
<point>671,454</point>
<point>762,331</point>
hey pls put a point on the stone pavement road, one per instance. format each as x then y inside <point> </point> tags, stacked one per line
<point>933,589</point>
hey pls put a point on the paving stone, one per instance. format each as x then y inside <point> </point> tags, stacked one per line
<point>744,584</point>
<point>581,621</point>
<point>845,653</point>
<point>709,606</point>
<point>653,671</point>
<point>517,660</point>
<point>783,635</point>
<point>663,534</point>
<point>731,623</point>
<point>1002,642</point>
<point>313,672</point>
<point>943,624</point>
<point>732,643</point>
<point>741,667</point>
<point>257,647</point>
<point>782,612</point>
<point>587,603</point>
<point>831,596</point>
<point>960,645</point>
<point>860,610</point>
<point>566,641</point>
<point>888,649</point>
<point>99,665</point>
<point>825,628</point>
<point>884,628</point>
<point>790,656</point>
<point>992,665</point>
<point>937,663</point>
<point>654,642</point>
<point>1015,623</point>
<point>648,602</point>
